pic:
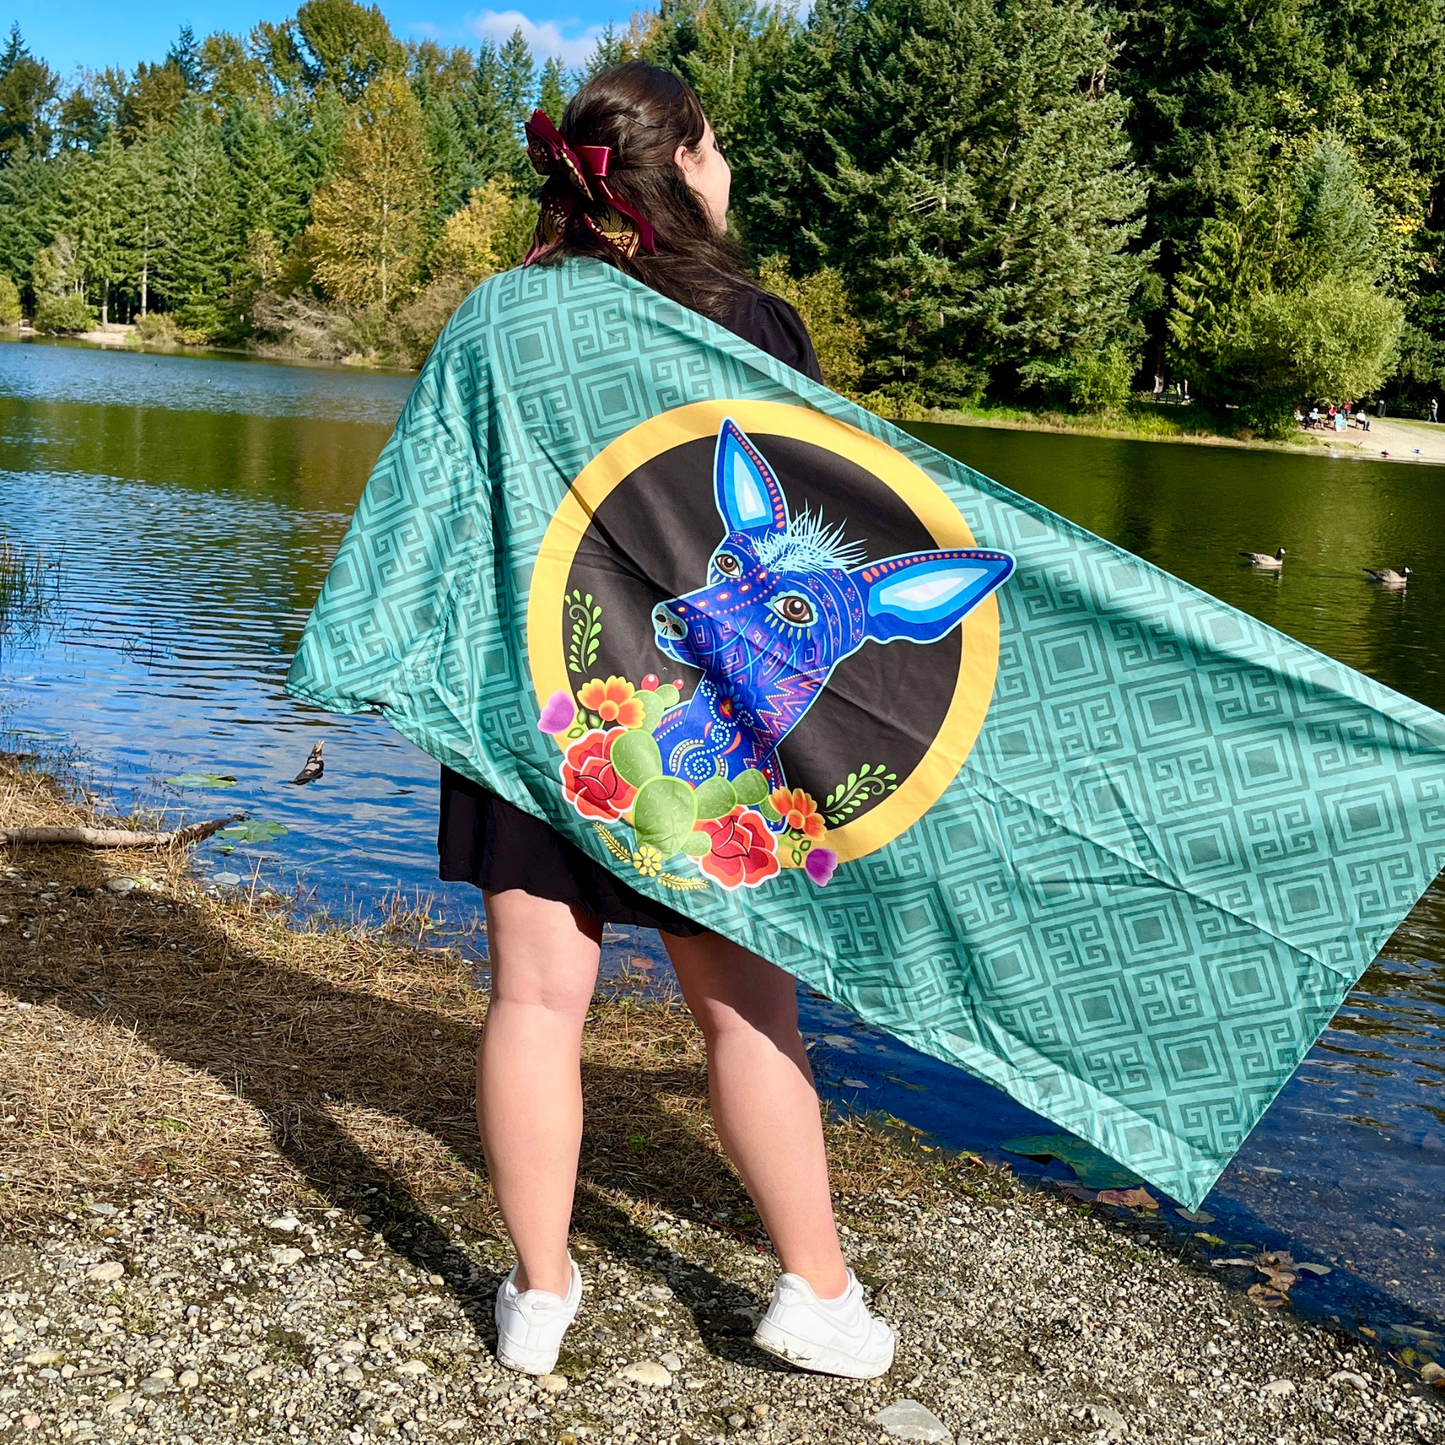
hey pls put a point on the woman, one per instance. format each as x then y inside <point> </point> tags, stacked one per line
<point>652,199</point>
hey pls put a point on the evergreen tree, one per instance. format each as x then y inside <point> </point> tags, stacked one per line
<point>201,241</point>
<point>148,212</point>
<point>28,88</point>
<point>101,228</point>
<point>488,125</point>
<point>369,218</point>
<point>447,161</point>
<point>611,49</point>
<point>29,204</point>
<point>270,181</point>
<point>553,91</point>
<point>185,55</point>
<point>989,239</point>
<point>517,82</point>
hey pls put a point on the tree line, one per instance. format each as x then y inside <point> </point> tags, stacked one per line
<point>1038,202</point>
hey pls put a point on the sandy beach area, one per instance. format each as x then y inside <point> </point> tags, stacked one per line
<point>241,1198</point>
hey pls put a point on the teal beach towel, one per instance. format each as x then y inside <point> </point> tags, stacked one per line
<point>1021,799</point>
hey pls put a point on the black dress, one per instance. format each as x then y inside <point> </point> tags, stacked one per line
<point>483,839</point>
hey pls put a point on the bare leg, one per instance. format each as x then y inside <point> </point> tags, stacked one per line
<point>763,1100</point>
<point>529,1081</point>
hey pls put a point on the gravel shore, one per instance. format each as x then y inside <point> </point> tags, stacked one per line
<point>240,1198</point>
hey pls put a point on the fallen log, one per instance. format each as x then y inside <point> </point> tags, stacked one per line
<point>118,837</point>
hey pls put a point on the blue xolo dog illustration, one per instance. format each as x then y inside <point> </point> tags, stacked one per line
<point>786,600</point>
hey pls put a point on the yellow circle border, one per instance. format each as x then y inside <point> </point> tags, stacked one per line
<point>978,660</point>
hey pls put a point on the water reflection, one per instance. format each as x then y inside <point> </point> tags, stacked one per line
<point>195,504</point>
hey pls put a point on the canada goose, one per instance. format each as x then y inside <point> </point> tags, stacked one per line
<point>1263,559</point>
<point>1388,577</point>
<point>315,766</point>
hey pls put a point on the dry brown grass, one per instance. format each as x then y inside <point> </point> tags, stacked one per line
<point>173,1033</point>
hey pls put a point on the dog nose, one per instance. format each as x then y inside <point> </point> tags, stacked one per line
<point>668,623</point>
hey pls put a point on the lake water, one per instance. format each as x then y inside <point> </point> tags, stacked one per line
<point>193,505</point>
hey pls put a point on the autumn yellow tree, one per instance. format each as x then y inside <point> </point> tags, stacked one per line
<point>478,239</point>
<point>369,218</point>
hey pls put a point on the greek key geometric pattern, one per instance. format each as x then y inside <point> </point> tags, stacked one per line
<point>1180,838</point>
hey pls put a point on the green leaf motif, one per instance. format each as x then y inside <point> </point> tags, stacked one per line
<point>751,788</point>
<point>697,844</point>
<point>669,694</point>
<point>664,812</point>
<point>653,708</point>
<point>636,758</point>
<point>715,798</point>
<point>586,637</point>
<point>869,781</point>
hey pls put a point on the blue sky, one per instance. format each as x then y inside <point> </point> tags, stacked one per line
<point>71,33</point>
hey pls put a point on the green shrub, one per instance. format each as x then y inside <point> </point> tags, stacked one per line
<point>823,302</point>
<point>200,320</point>
<point>157,328</point>
<point>1101,382</point>
<point>10,312</point>
<point>412,329</point>
<point>65,313</point>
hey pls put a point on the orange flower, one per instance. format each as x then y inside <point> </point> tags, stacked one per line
<point>614,701</point>
<point>799,811</point>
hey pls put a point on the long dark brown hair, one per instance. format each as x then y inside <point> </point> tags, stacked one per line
<point>644,113</point>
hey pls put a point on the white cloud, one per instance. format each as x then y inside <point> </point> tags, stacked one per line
<point>544,40</point>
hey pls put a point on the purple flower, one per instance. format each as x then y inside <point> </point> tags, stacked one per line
<point>559,713</point>
<point>820,865</point>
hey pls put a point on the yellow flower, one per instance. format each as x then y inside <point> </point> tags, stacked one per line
<point>614,701</point>
<point>648,861</point>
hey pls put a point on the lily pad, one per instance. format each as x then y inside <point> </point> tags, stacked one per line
<point>253,830</point>
<point>202,780</point>
<point>664,812</point>
<point>1094,1169</point>
<point>636,758</point>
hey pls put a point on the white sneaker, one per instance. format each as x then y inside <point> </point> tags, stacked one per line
<point>530,1325</point>
<point>829,1337</point>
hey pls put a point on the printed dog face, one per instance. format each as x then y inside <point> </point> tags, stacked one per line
<point>786,600</point>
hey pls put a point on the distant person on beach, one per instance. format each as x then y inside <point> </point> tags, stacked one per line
<point>1362,417</point>
<point>1380,407</point>
<point>547,902</point>
<point>1434,408</point>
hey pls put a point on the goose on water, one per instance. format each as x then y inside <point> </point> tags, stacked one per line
<point>1388,577</point>
<point>1263,559</point>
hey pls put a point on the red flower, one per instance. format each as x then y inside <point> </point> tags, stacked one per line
<point>592,782</point>
<point>743,851</point>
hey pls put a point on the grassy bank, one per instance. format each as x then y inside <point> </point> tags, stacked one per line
<point>242,1198</point>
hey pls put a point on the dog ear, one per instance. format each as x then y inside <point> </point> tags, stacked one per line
<point>749,498</point>
<point>922,596</point>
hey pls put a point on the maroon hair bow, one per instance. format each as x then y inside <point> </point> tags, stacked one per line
<point>577,180</point>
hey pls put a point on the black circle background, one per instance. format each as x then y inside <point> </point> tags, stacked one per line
<point>651,539</point>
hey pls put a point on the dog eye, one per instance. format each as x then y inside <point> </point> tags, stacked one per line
<point>727,564</point>
<point>795,610</point>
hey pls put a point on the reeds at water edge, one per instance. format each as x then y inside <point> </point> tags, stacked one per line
<point>28,585</point>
